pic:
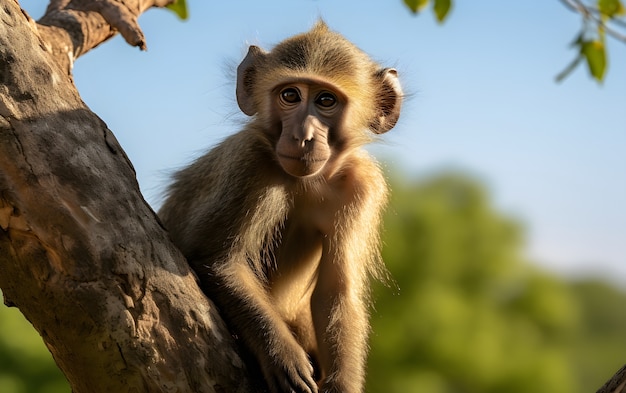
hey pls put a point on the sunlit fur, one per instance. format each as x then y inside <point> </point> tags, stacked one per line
<point>288,257</point>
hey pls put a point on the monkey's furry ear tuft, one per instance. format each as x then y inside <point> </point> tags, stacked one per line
<point>388,101</point>
<point>246,78</point>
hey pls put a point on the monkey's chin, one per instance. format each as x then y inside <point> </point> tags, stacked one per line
<point>300,167</point>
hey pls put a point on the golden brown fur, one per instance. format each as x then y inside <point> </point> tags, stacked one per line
<point>281,220</point>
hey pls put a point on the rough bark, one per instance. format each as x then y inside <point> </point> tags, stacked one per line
<point>81,253</point>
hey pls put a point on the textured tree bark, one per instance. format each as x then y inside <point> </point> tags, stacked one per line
<point>81,253</point>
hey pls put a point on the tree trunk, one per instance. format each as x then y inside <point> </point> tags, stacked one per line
<point>82,255</point>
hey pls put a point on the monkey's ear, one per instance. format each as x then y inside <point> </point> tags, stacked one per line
<point>388,101</point>
<point>246,78</point>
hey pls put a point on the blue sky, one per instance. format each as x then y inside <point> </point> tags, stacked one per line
<point>483,99</point>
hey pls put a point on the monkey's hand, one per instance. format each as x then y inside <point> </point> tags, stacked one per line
<point>289,370</point>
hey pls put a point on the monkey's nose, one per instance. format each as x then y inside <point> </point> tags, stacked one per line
<point>304,139</point>
<point>307,131</point>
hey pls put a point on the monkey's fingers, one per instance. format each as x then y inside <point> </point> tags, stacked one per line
<point>290,380</point>
<point>297,385</point>
<point>308,379</point>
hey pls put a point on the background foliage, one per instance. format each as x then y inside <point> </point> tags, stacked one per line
<point>468,312</point>
<point>472,314</point>
<point>26,366</point>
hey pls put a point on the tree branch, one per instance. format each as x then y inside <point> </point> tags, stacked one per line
<point>617,384</point>
<point>593,14</point>
<point>81,253</point>
<point>73,27</point>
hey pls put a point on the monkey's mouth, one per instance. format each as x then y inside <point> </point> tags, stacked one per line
<point>305,165</point>
<point>304,158</point>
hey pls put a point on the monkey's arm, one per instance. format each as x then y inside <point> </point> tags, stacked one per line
<point>236,282</point>
<point>220,212</point>
<point>350,257</point>
<point>248,310</point>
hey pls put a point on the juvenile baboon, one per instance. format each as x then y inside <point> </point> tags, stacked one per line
<point>281,220</point>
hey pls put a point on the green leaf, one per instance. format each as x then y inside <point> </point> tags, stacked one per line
<point>595,55</point>
<point>441,8</point>
<point>416,5</point>
<point>610,8</point>
<point>179,7</point>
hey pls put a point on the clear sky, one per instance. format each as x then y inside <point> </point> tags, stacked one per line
<point>483,99</point>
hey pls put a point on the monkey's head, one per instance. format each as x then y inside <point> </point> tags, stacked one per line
<point>317,96</point>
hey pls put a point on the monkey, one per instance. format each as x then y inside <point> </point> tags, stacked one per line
<point>281,220</point>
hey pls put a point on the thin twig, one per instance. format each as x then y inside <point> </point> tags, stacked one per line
<point>594,14</point>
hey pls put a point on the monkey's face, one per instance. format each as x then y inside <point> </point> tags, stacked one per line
<point>308,111</point>
<point>317,96</point>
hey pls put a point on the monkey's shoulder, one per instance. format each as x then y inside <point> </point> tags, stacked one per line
<point>358,173</point>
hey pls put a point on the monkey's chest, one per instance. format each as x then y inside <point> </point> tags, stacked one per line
<point>297,261</point>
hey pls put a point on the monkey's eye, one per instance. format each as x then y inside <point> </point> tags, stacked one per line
<point>326,100</point>
<point>290,95</point>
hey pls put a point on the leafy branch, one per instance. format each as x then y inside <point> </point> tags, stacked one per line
<point>599,19</point>
<point>604,18</point>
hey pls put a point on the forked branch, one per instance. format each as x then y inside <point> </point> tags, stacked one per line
<point>70,28</point>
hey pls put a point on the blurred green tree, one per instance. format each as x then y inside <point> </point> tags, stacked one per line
<point>600,350</point>
<point>26,366</point>
<point>471,315</point>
